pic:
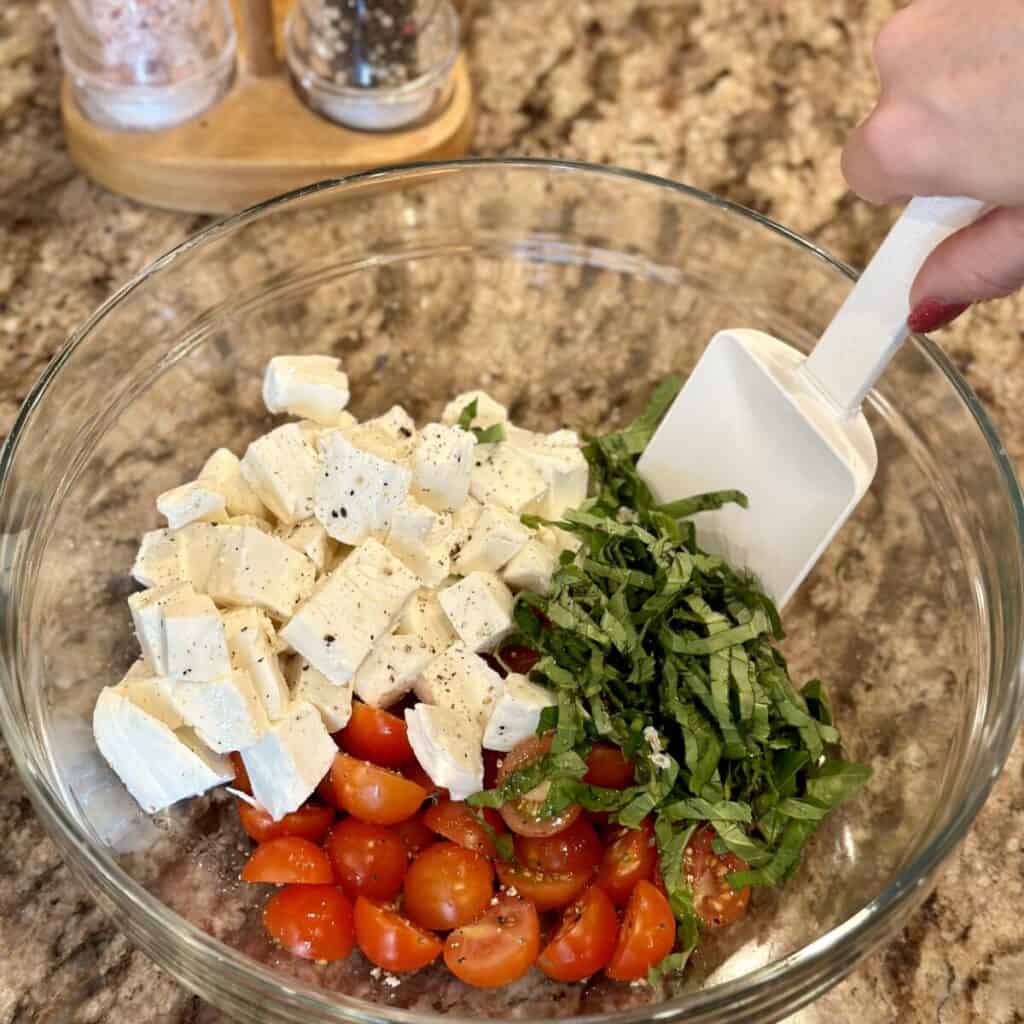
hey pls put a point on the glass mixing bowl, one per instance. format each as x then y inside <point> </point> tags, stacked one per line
<point>568,292</point>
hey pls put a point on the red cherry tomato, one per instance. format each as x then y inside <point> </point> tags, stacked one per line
<point>415,835</point>
<point>374,794</point>
<point>310,821</point>
<point>546,892</point>
<point>446,887</point>
<point>717,903</point>
<point>523,815</point>
<point>368,860</point>
<point>574,850</point>
<point>415,773</point>
<point>492,765</point>
<point>646,937</point>
<point>288,860</point>
<point>455,821</point>
<point>311,921</point>
<point>519,658</point>
<point>390,941</point>
<point>585,940</point>
<point>631,857</point>
<point>496,949</point>
<point>241,775</point>
<point>375,735</point>
<point>607,766</point>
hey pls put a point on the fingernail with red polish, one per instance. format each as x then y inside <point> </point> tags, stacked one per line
<point>931,314</point>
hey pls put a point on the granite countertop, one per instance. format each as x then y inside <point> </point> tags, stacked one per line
<point>750,100</point>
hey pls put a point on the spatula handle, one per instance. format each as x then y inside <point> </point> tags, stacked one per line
<point>872,323</point>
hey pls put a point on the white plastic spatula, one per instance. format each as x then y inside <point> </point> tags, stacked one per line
<point>757,416</point>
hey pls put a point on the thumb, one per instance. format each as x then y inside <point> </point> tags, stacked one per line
<point>984,260</point>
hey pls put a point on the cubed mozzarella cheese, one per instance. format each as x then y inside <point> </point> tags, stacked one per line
<point>463,682</point>
<point>502,475</point>
<point>441,466</point>
<point>158,766</point>
<point>388,672</point>
<point>225,713</point>
<point>333,702</point>
<point>494,538</point>
<point>561,463</point>
<point>424,618</point>
<point>223,472</point>
<point>255,522</point>
<point>161,559</point>
<point>479,607</point>
<point>282,469</point>
<point>356,491</point>
<point>447,746</point>
<point>516,713</point>
<point>254,568</point>
<point>311,539</point>
<point>289,761</point>
<point>254,648</point>
<point>313,387</point>
<point>350,611</point>
<point>311,431</point>
<point>489,412</point>
<point>147,611</point>
<point>532,568</point>
<point>150,693</point>
<point>194,646</point>
<point>201,544</point>
<point>190,503</point>
<point>420,538</point>
<point>392,436</point>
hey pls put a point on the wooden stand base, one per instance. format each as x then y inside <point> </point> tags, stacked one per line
<point>258,142</point>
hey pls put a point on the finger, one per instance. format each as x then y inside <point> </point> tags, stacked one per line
<point>982,261</point>
<point>871,160</point>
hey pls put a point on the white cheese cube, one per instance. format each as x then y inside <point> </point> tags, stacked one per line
<point>282,469</point>
<point>392,436</point>
<point>494,538</point>
<point>311,539</point>
<point>447,746</point>
<point>350,611</point>
<point>201,545</point>
<point>388,672</point>
<point>463,682</point>
<point>190,503</point>
<point>532,568</point>
<point>489,412</point>
<point>255,522</point>
<point>420,538</point>
<point>479,607</point>
<point>194,646</point>
<point>424,618</point>
<point>254,648</point>
<point>223,472</point>
<point>226,713</point>
<point>559,460</point>
<point>333,702</point>
<point>287,764</point>
<point>147,611</point>
<point>356,492</point>
<point>441,466</point>
<point>313,387</point>
<point>312,432</point>
<point>150,693</point>
<point>516,713</point>
<point>161,559</point>
<point>253,568</point>
<point>502,475</point>
<point>158,766</point>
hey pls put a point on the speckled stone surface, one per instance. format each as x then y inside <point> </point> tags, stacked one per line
<point>750,100</point>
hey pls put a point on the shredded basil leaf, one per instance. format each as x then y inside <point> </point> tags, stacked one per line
<point>484,435</point>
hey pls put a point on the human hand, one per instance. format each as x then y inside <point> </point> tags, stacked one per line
<point>950,121</point>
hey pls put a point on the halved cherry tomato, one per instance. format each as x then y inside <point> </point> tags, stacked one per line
<point>311,821</point>
<point>646,937</point>
<point>498,948</point>
<point>519,658</point>
<point>717,903</point>
<point>631,857</point>
<point>494,664</point>
<point>415,835</point>
<point>374,794</point>
<point>288,860</point>
<point>574,850</point>
<point>546,892</point>
<point>522,815</point>
<point>492,765</point>
<point>607,766</point>
<point>311,921</point>
<point>241,775</point>
<point>375,735</point>
<point>415,773</point>
<point>447,886</point>
<point>585,940</point>
<point>369,860</point>
<point>390,941</point>
<point>455,821</point>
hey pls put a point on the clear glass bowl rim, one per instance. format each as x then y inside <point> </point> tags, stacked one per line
<point>797,978</point>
